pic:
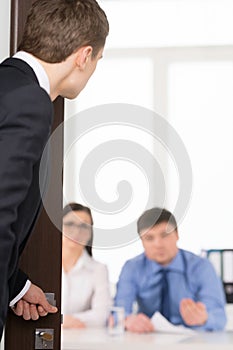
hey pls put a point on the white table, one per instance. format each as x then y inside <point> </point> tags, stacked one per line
<point>99,339</point>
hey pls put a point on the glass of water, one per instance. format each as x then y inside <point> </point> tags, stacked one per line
<point>116,320</point>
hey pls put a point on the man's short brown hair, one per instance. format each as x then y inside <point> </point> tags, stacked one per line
<point>57,28</point>
<point>155,216</point>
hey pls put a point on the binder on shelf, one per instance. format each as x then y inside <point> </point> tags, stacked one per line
<point>216,259</point>
<point>222,260</point>
<point>228,274</point>
<point>227,265</point>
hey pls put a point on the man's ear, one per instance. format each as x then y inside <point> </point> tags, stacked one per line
<point>82,56</point>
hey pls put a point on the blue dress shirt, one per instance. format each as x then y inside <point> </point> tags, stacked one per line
<point>189,276</point>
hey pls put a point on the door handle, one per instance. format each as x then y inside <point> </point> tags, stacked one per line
<point>44,338</point>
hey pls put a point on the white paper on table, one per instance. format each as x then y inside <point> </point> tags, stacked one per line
<point>161,324</point>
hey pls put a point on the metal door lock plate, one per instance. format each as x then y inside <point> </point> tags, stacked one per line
<point>51,298</point>
<point>44,338</point>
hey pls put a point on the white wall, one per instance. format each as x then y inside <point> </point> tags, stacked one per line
<point>4,45</point>
<point>155,53</point>
<point>169,23</point>
<point>4,29</point>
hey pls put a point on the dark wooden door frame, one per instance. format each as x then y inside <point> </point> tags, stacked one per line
<point>41,259</point>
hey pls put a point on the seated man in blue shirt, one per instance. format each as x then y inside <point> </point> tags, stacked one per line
<point>179,284</point>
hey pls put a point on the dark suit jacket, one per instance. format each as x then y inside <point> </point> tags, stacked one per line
<point>26,113</point>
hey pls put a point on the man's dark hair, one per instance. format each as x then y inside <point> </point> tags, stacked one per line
<point>153,217</point>
<point>55,29</point>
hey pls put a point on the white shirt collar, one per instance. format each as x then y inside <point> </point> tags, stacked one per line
<point>85,261</point>
<point>37,67</point>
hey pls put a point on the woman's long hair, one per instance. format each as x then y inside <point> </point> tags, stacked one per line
<point>79,207</point>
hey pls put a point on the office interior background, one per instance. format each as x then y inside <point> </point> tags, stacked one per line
<point>174,57</point>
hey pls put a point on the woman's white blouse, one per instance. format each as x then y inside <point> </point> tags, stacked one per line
<point>86,292</point>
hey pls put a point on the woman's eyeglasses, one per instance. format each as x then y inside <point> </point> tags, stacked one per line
<point>72,226</point>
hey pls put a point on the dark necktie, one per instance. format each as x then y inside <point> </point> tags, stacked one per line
<point>165,307</point>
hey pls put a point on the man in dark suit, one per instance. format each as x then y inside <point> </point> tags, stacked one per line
<point>61,45</point>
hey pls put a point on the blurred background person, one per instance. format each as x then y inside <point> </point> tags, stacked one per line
<point>85,285</point>
<point>182,286</point>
